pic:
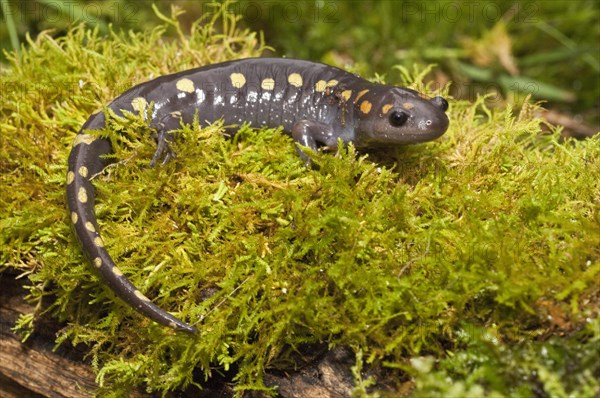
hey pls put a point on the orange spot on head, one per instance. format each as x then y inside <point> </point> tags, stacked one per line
<point>386,108</point>
<point>360,94</point>
<point>365,107</point>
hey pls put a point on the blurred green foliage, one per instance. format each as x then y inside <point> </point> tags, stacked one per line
<point>558,367</point>
<point>549,49</point>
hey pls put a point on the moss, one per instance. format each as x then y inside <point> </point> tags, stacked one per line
<point>557,367</point>
<point>495,225</point>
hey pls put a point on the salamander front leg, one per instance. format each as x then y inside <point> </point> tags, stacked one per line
<point>163,148</point>
<point>164,137</point>
<point>310,134</point>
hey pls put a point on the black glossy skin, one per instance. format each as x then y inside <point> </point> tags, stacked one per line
<point>316,104</point>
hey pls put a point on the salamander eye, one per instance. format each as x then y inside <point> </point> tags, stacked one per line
<point>398,118</point>
<point>440,102</point>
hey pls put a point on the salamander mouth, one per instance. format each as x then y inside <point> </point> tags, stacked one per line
<point>423,130</point>
<point>433,128</point>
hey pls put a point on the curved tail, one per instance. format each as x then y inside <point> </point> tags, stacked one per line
<point>85,160</point>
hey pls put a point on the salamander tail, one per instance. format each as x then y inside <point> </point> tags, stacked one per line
<point>85,161</point>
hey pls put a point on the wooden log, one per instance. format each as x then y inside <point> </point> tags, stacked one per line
<point>33,369</point>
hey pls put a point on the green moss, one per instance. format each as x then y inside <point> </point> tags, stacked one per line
<point>557,367</point>
<point>495,225</point>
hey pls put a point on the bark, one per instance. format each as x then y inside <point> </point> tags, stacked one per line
<point>33,369</point>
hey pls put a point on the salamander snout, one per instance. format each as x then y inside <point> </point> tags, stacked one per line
<point>440,102</point>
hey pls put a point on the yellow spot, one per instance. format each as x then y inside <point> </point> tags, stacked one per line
<point>82,195</point>
<point>117,271</point>
<point>83,171</point>
<point>98,262</point>
<point>320,86</point>
<point>425,97</point>
<point>185,85</point>
<point>408,105</point>
<point>346,94</point>
<point>268,84</point>
<point>237,80</point>
<point>360,94</point>
<point>74,217</point>
<point>98,242</point>
<point>386,108</point>
<point>141,296</point>
<point>70,177</point>
<point>332,83</point>
<point>139,104</point>
<point>365,107</point>
<point>90,227</point>
<point>83,139</point>
<point>172,325</point>
<point>295,80</point>
<point>175,114</point>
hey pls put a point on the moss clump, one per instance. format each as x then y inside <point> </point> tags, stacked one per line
<point>557,367</point>
<point>494,225</point>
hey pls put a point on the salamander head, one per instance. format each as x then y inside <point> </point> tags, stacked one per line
<point>400,116</point>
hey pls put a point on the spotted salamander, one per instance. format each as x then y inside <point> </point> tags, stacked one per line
<point>315,103</point>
